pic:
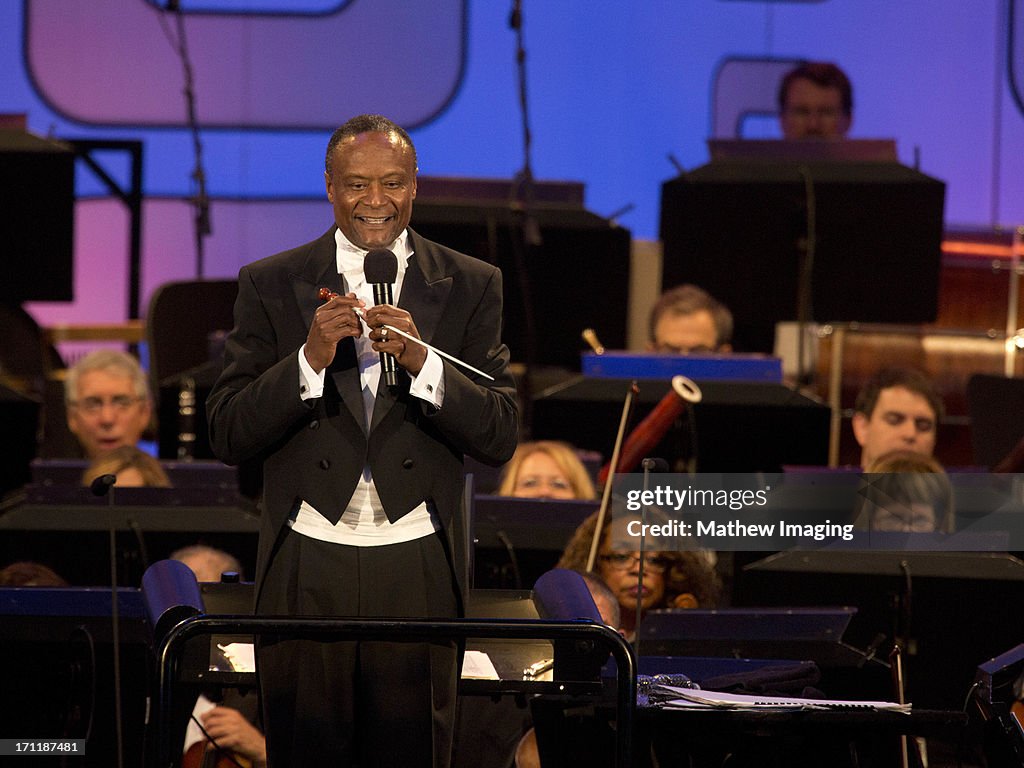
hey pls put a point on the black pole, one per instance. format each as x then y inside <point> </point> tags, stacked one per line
<point>527,237</point>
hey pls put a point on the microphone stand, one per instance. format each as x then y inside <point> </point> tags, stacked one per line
<point>805,282</point>
<point>200,201</point>
<point>648,465</point>
<point>529,230</point>
<point>103,486</point>
<point>1013,296</point>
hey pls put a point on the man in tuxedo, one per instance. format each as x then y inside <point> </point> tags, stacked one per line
<point>363,482</point>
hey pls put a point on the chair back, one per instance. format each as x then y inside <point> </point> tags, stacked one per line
<point>181,318</point>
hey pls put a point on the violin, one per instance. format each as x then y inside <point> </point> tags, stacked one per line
<point>198,756</point>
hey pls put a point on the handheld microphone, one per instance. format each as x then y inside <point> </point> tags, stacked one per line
<point>380,269</point>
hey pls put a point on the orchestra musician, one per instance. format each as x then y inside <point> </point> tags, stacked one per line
<point>108,401</point>
<point>672,577</point>
<point>546,469</point>
<point>228,736</point>
<point>897,409</point>
<point>815,101</point>
<point>687,320</point>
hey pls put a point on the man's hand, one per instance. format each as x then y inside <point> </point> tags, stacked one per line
<point>407,354</point>
<point>232,731</point>
<point>334,320</point>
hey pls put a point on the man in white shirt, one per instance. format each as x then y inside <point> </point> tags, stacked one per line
<point>363,482</point>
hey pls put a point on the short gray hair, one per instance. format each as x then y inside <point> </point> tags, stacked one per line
<point>112,360</point>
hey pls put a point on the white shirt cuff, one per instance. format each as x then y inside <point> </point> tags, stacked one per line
<point>311,383</point>
<point>428,385</point>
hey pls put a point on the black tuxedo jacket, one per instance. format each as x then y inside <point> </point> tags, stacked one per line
<point>315,450</point>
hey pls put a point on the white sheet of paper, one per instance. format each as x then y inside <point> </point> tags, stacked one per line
<point>476,665</point>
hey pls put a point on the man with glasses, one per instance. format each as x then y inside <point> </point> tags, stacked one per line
<point>815,101</point>
<point>108,401</point>
<point>687,320</point>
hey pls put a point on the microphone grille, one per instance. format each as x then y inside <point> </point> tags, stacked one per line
<point>380,266</point>
<point>101,484</point>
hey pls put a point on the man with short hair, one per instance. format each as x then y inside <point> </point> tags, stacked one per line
<point>363,481</point>
<point>228,721</point>
<point>687,320</point>
<point>108,401</point>
<point>898,409</point>
<point>815,101</point>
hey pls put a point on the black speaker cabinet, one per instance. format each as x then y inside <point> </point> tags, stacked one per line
<point>20,416</point>
<point>578,276</point>
<point>37,177</point>
<point>862,239</point>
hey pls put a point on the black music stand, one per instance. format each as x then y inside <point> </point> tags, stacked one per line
<point>516,540</point>
<point>996,408</point>
<point>813,634</point>
<point>739,426</point>
<point>944,604</point>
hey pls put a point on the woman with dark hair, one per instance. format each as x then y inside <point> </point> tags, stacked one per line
<point>672,578</point>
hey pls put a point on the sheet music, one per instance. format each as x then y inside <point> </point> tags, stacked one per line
<point>476,665</point>
<point>690,698</point>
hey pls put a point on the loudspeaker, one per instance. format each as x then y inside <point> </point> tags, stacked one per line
<point>36,222</point>
<point>742,230</point>
<point>20,416</point>
<point>578,277</point>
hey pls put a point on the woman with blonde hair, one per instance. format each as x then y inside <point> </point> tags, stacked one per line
<point>909,492</point>
<point>546,469</point>
<point>133,468</point>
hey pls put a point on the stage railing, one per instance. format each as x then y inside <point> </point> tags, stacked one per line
<point>171,653</point>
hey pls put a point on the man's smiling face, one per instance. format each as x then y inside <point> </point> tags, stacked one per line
<point>371,184</point>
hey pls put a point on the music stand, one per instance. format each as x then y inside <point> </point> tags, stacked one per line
<point>941,603</point>
<point>739,426</point>
<point>813,633</point>
<point>527,535</point>
<point>996,407</point>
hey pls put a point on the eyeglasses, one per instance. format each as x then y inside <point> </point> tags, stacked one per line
<point>620,561</point>
<point>93,405</point>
